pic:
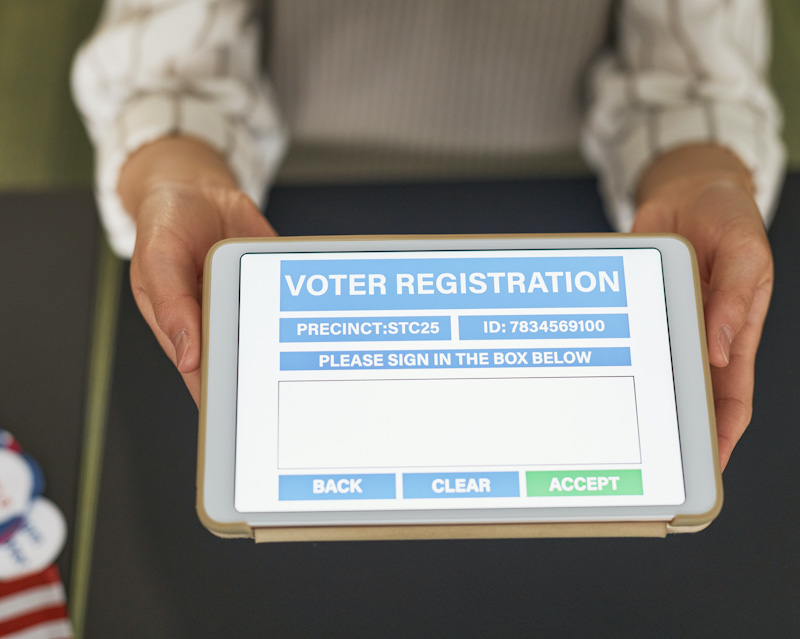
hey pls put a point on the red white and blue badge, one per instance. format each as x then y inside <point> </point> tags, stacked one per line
<point>16,485</point>
<point>36,543</point>
<point>32,528</point>
<point>32,534</point>
<point>7,440</point>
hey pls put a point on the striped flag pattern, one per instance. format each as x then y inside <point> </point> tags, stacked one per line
<point>34,607</point>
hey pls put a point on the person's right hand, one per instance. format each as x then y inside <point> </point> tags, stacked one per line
<point>705,193</point>
<point>184,200</point>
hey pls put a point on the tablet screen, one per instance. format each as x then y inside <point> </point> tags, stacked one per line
<point>417,380</point>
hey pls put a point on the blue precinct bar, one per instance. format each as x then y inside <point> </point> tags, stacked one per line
<point>364,329</point>
<point>455,485</point>
<point>543,326</point>
<point>326,487</point>
<point>453,358</point>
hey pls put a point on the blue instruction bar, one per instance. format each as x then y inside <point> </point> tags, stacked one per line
<point>454,358</point>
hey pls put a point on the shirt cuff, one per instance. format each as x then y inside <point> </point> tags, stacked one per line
<point>621,159</point>
<point>253,159</point>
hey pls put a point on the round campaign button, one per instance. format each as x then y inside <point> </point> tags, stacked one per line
<point>7,440</point>
<point>38,476</point>
<point>36,544</point>
<point>8,528</point>
<point>16,484</point>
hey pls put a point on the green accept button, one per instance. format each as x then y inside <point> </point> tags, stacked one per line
<point>580,483</point>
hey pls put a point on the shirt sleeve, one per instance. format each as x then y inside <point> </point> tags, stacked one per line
<point>682,72</point>
<point>155,68</point>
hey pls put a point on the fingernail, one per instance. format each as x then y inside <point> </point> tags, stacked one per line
<point>725,337</point>
<point>181,343</point>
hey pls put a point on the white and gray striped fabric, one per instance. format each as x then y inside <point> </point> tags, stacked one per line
<point>492,81</point>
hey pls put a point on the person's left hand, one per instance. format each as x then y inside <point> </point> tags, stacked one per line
<point>716,212</point>
<point>184,198</point>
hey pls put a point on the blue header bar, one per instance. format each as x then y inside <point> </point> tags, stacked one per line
<point>452,283</point>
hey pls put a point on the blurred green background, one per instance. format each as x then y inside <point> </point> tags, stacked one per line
<point>42,141</point>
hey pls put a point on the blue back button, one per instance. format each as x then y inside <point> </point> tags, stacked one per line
<point>310,487</point>
<point>454,485</point>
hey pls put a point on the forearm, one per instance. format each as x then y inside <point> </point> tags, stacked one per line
<point>173,160</point>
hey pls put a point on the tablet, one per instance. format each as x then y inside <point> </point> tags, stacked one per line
<point>455,386</point>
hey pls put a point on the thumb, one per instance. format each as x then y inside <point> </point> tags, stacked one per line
<point>733,285</point>
<point>166,289</point>
<point>243,218</point>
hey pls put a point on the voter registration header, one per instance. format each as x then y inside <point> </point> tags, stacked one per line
<point>448,283</point>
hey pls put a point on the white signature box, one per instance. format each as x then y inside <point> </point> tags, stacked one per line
<point>458,422</point>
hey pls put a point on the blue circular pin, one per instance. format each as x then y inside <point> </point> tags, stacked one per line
<point>38,476</point>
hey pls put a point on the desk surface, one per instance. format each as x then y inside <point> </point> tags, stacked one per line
<point>47,251</point>
<point>158,573</point>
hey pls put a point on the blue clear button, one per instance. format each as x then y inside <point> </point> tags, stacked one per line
<point>454,485</point>
<point>310,487</point>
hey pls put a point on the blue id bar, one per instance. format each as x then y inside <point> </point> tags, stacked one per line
<point>543,326</point>
<point>455,485</point>
<point>451,358</point>
<point>364,329</point>
<point>326,487</point>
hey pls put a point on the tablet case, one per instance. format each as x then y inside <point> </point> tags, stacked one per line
<point>680,524</point>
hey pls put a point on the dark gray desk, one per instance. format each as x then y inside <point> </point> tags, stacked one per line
<point>47,257</point>
<point>158,573</point>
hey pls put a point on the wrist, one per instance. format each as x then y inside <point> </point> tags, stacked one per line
<point>688,171</point>
<point>169,163</point>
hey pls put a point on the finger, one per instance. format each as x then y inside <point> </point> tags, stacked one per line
<point>733,403</point>
<point>733,384</point>
<point>146,310</point>
<point>192,379</point>
<point>739,270</point>
<point>168,281</point>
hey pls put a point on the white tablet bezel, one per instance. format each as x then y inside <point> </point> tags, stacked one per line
<point>217,441</point>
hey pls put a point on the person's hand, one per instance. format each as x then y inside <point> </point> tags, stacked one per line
<point>705,194</point>
<point>184,200</point>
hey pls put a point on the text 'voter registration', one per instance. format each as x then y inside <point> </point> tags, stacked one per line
<point>452,283</point>
<point>501,282</point>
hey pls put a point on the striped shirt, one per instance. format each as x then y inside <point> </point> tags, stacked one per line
<point>380,88</point>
